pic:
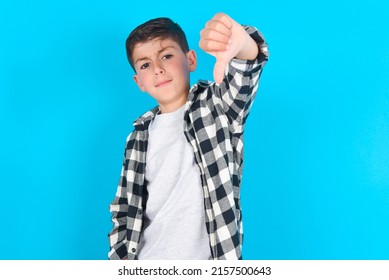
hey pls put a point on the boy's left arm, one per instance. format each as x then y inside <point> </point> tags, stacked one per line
<point>240,52</point>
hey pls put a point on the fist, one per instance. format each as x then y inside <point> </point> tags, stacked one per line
<point>223,38</point>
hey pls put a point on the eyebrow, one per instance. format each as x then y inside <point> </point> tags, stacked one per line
<point>160,51</point>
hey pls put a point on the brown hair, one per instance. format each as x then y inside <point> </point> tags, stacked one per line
<point>158,28</point>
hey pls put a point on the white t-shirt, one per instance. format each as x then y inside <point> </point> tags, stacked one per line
<point>175,218</point>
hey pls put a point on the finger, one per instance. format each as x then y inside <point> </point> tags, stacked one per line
<point>223,18</point>
<point>213,46</point>
<point>209,34</point>
<point>218,70</point>
<point>219,27</point>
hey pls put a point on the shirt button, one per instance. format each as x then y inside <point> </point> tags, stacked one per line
<point>140,212</point>
<point>133,250</point>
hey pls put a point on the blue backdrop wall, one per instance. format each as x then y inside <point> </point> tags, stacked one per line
<point>316,178</point>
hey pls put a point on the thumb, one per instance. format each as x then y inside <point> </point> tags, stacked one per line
<point>218,70</point>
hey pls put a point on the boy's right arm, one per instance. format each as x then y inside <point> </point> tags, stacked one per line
<point>241,53</point>
<point>119,210</point>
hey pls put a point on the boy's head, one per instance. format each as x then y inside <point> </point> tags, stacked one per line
<point>158,52</point>
<point>158,28</point>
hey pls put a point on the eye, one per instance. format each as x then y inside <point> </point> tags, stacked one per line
<point>145,65</point>
<point>167,56</point>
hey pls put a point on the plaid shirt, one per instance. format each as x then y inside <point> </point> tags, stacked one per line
<point>214,121</point>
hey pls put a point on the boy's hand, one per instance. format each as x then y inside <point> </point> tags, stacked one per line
<point>225,39</point>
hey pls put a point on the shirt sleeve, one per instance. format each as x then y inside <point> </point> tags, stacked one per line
<point>239,86</point>
<point>119,208</point>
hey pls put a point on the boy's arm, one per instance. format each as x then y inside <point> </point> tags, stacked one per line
<point>119,209</point>
<point>241,53</point>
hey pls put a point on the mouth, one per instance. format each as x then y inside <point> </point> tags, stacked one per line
<point>163,83</point>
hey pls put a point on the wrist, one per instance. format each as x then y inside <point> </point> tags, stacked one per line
<point>249,50</point>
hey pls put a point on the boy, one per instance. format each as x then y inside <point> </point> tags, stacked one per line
<point>178,196</point>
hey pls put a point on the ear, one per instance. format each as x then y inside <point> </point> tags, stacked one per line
<point>139,83</point>
<point>192,60</point>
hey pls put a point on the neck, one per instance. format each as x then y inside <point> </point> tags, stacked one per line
<point>174,105</point>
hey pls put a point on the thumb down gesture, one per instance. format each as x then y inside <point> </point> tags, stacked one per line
<point>225,39</point>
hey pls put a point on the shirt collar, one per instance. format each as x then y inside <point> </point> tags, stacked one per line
<point>144,120</point>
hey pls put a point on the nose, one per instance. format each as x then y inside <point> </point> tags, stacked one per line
<point>158,69</point>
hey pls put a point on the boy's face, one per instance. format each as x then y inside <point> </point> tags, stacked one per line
<point>162,70</point>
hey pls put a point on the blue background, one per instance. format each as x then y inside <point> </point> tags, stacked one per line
<point>316,178</point>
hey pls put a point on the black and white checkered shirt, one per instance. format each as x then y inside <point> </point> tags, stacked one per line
<point>213,125</point>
